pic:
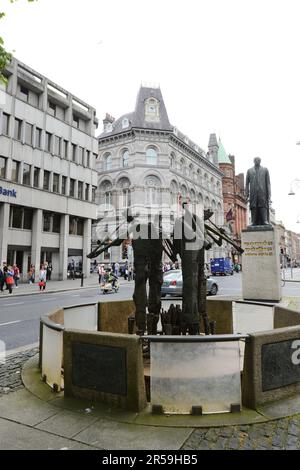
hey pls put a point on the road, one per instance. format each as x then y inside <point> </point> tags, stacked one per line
<point>19,315</point>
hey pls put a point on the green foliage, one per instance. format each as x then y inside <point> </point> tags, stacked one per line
<point>5,56</point>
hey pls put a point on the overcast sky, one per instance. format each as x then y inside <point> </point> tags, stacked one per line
<point>226,66</point>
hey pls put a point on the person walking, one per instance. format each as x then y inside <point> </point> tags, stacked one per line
<point>8,278</point>
<point>31,274</point>
<point>49,271</point>
<point>16,275</point>
<point>2,280</point>
<point>42,279</point>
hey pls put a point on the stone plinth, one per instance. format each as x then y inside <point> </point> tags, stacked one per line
<point>260,263</point>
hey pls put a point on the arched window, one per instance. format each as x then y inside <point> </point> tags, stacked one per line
<point>174,193</point>
<point>193,200</point>
<point>151,156</point>
<point>212,184</point>
<point>106,195</point>
<point>125,158</point>
<point>220,215</point>
<point>206,203</point>
<point>200,205</point>
<point>153,190</point>
<point>191,170</point>
<point>125,123</point>
<point>152,110</point>
<point>125,194</point>
<point>107,162</point>
<point>199,177</point>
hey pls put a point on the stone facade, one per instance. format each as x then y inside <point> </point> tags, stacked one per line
<point>146,162</point>
<point>235,205</point>
<point>47,173</point>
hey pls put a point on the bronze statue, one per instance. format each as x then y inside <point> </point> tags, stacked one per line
<point>148,244</point>
<point>258,193</point>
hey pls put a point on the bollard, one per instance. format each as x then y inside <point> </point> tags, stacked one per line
<point>81,285</point>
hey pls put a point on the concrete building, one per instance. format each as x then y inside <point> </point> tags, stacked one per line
<point>47,173</point>
<point>145,162</point>
<point>235,205</point>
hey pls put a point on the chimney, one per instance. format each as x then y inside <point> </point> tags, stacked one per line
<point>107,120</point>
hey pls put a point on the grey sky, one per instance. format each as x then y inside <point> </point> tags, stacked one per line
<point>224,66</point>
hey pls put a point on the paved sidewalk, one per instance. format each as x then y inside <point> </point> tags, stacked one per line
<point>58,286</point>
<point>28,422</point>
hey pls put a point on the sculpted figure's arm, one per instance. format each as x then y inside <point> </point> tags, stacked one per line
<point>247,186</point>
<point>268,186</point>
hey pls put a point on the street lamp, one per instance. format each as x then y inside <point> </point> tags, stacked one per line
<point>295,184</point>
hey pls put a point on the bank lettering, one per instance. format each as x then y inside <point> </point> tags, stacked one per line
<point>8,192</point>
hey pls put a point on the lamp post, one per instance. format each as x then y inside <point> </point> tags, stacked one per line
<point>295,184</point>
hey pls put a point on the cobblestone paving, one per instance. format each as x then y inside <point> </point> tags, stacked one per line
<point>279,434</point>
<point>10,372</point>
<point>276,435</point>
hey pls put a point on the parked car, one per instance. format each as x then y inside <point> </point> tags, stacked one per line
<point>172,284</point>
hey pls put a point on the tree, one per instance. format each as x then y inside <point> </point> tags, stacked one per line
<point>5,56</point>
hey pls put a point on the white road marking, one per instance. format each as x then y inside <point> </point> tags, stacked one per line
<point>10,322</point>
<point>11,305</point>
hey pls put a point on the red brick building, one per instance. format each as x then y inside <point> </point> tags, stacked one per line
<point>235,206</point>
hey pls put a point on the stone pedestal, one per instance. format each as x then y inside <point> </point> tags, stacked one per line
<point>261,278</point>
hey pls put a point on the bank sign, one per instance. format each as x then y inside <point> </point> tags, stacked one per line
<point>8,192</point>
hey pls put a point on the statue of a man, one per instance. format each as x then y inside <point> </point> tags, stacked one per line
<point>258,193</point>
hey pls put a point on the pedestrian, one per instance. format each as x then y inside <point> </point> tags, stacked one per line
<point>2,280</point>
<point>8,278</point>
<point>117,269</point>
<point>72,269</point>
<point>130,273</point>
<point>42,278</point>
<point>31,274</point>
<point>16,275</point>
<point>49,271</point>
<point>101,273</point>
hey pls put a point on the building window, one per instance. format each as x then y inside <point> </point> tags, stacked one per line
<point>16,216</point>
<point>126,198</point>
<point>88,158</point>
<point>72,187</point>
<point>56,223</point>
<point>125,123</point>
<point>36,177</point>
<point>55,183</point>
<point>51,108</point>
<point>64,185</point>
<point>80,190</point>
<point>2,167</point>
<point>94,193</point>
<point>28,133</point>
<point>48,141</point>
<point>76,226</point>
<point>153,193</point>
<point>5,124</point>
<point>75,121</point>
<point>81,156</point>
<point>27,220</point>
<point>74,147</point>
<point>87,191</point>
<point>47,221</point>
<point>57,144</point>
<point>125,158</point>
<point>38,137</point>
<point>65,149</point>
<point>18,129</point>
<point>46,182</point>
<point>15,171</point>
<point>151,156</point>
<point>26,174</point>
<point>24,93</point>
<point>107,162</point>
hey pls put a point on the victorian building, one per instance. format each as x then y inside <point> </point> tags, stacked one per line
<point>47,173</point>
<point>235,205</point>
<point>147,163</point>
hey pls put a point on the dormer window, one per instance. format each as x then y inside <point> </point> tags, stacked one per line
<point>109,127</point>
<point>186,140</point>
<point>125,123</point>
<point>152,110</point>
